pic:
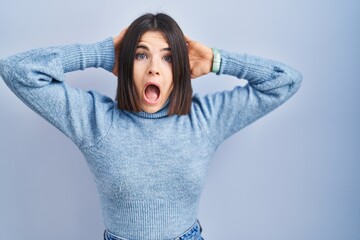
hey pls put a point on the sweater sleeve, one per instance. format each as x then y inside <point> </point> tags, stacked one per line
<point>37,78</point>
<point>269,84</point>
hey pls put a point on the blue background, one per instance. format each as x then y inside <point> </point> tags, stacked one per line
<point>294,174</point>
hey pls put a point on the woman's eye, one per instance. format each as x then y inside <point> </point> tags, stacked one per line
<point>167,58</point>
<point>140,56</point>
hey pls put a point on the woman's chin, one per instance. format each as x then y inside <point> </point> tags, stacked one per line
<point>151,108</point>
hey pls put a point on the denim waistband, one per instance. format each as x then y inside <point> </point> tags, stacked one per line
<point>193,232</point>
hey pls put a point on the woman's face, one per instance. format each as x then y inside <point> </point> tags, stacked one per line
<point>153,76</point>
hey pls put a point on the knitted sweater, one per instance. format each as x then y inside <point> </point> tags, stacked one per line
<point>149,168</point>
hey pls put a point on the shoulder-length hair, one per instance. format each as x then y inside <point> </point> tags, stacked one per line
<point>181,95</point>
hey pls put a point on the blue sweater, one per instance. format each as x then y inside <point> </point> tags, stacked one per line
<point>149,168</point>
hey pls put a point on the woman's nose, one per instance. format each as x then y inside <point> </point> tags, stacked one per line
<point>153,72</point>
<point>154,68</point>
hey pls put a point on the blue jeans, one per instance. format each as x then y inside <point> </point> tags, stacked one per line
<point>194,233</point>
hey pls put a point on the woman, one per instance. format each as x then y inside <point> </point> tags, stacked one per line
<point>149,150</point>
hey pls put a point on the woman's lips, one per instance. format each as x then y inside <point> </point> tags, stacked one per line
<point>152,93</point>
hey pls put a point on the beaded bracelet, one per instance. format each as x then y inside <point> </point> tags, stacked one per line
<point>216,60</point>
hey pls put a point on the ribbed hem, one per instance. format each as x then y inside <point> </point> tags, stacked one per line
<point>150,220</point>
<point>80,56</point>
<point>194,231</point>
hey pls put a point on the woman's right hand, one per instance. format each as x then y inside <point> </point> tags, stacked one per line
<point>117,41</point>
<point>200,57</point>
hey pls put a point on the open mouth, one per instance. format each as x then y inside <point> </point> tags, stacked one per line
<point>152,93</point>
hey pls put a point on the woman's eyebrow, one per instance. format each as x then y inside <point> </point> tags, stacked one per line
<point>166,49</point>
<point>147,49</point>
<point>143,47</point>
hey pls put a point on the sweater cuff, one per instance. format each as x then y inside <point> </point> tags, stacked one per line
<point>245,66</point>
<point>80,56</point>
<point>233,64</point>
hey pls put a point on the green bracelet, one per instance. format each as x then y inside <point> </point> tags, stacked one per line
<point>216,60</point>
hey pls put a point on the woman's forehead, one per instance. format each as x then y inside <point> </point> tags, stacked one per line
<point>154,38</point>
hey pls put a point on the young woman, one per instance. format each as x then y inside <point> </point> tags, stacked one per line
<point>149,150</point>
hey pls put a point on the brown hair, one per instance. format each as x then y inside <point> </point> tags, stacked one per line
<point>181,95</point>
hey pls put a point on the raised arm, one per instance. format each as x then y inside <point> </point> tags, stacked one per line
<point>37,78</point>
<point>270,84</point>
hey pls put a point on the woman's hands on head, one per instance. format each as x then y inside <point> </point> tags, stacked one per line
<point>200,57</point>
<point>117,41</point>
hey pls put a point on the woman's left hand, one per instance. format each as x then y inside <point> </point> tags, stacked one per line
<point>200,56</point>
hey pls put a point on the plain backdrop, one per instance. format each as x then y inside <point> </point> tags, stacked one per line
<point>294,174</point>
